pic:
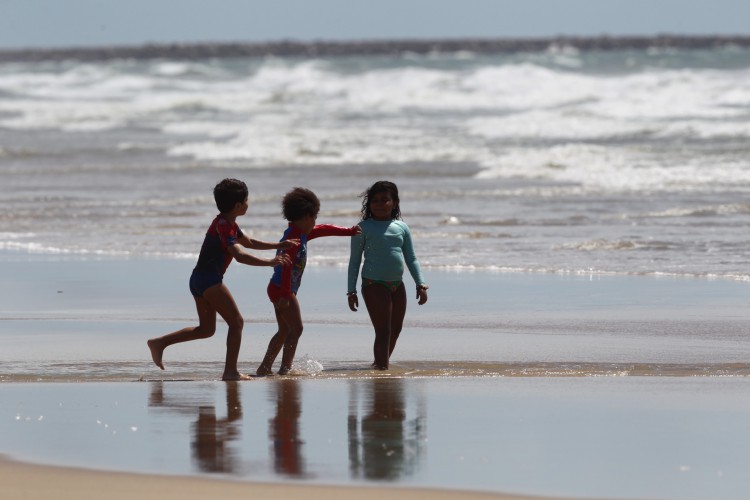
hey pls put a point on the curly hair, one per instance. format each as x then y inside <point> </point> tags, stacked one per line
<point>228,193</point>
<point>381,187</point>
<point>299,202</point>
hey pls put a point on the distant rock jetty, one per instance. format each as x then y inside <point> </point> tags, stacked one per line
<point>290,48</point>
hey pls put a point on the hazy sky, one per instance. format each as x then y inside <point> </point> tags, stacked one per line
<point>62,23</point>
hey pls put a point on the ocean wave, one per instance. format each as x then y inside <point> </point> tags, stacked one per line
<point>469,235</point>
<point>617,168</point>
<point>320,111</point>
<point>602,244</point>
<point>561,160</point>
<point>704,211</point>
<point>35,248</point>
<point>480,259</point>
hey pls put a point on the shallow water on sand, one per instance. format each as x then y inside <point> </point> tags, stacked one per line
<point>560,385</point>
<point>74,320</point>
<point>600,437</point>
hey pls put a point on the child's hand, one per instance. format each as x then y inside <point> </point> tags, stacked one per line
<point>282,303</point>
<point>286,244</point>
<point>356,229</point>
<point>281,260</point>
<point>353,301</point>
<point>422,294</point>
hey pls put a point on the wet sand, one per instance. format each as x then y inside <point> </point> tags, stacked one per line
<point>579,437</point>
<point>554,386</point>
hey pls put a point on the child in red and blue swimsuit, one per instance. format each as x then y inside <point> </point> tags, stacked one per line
<point>223,242</point>
<point>300,207</point>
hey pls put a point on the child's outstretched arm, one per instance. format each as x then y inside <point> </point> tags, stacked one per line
<point>251,260</point>
<point>322,230</point>
<point>265,245</point>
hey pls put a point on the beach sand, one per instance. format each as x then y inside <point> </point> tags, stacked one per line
<point>521,384</point>
<point>39,482</point>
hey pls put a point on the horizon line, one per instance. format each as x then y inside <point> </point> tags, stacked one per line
<point>369,47</point>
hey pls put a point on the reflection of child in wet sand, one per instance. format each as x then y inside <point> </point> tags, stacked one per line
<point>284,429</point>
<point>223,242</point>
<point>387,245</point>
<point>213,436</point>
<point>383,443</point>
<point>214,440</point>
<point>300,207</point>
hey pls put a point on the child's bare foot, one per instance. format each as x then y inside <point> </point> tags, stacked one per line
<point>283,370</point>
<point>229,377</point>
<point>262,371</point>
<point>156,352</point>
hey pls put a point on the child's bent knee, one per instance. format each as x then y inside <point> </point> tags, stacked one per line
<point>206,332</point>
<point>236,323</point>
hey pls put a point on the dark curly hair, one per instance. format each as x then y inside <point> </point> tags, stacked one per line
<point>228,193</point>
<point>380,187</point>
<point>299,202</point>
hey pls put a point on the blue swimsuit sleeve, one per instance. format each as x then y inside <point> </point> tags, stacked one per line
<point>410,257</point>
<point>355,260</point>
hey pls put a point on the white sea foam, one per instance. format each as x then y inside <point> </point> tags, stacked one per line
<point>290,111</point>
<point>306,366</point>
<point>544,124</point>
<point>15,236</point>
<point>615,168</point>
<point>559,161</point>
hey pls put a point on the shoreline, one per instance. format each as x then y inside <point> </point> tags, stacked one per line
<point>19,256</point>
<point>508,323</point>
<point>23,480</point>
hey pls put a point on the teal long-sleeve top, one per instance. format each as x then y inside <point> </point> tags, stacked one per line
<point>386,246</point>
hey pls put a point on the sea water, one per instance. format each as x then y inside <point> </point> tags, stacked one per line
<point>564,161</point>
<point>580,217</point>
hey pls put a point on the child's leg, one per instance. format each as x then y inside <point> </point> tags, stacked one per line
<point>379,307</point>
<point>398,312</point>
<point>222,301</point>
<point>293,318</point>
<point>206,328</point>
<point>274,346</point>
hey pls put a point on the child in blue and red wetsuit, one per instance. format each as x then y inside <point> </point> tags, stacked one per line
<point>300,207</point>
<point>223,242</point>
<point>385,242</point>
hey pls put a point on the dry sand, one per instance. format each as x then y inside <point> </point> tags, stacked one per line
<point>22,481</point>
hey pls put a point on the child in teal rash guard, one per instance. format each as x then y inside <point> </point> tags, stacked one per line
<point>386,244</point>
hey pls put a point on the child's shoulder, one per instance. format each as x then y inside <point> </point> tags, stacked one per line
<point>400,224</point>
<point>291,231</point>
<point>221,224</point>
<point>381,223</point>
